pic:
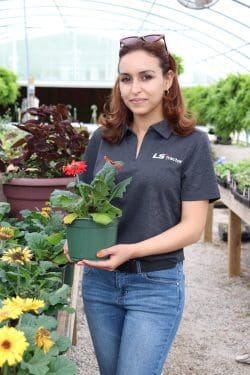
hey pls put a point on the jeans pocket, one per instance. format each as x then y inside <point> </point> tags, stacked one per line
<point>87,270</point>
<point>167,276</point>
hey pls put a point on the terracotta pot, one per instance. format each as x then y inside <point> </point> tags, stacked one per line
<point>31,193</point>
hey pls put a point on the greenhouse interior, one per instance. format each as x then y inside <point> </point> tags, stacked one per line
<point>74,154</point>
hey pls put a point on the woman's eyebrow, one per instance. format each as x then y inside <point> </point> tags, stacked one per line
<point>142,72</point>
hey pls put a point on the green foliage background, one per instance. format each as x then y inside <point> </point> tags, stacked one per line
<point>225,105</point>
<point>9,88</point>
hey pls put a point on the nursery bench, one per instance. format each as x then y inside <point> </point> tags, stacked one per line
<point>67,322</point>
<point>237,212</point>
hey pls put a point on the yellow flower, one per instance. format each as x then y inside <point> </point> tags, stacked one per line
<point>47,209</point>
<point>17,255</point>
<point>10,312</point>
<point>42,339</point>
<point>69,218</point>
<point>12,346</point>
<point>25,304</point>
<point>45,214</point>
<point>6,232</point>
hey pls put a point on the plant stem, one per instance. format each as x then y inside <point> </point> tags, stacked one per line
<point>18,279</point>
<point>1,246</point>
<point>6,369</point>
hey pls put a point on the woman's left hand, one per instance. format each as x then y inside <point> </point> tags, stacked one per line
<point>118,255</point>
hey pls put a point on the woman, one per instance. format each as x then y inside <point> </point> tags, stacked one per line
<point>134,300</point>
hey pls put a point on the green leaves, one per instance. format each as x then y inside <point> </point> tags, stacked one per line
<point>224,105</point>
<point>4,209</point>
<point>9,87</point>
<point>101,218</point>
<point>62,366</point>
<point>120,189</point>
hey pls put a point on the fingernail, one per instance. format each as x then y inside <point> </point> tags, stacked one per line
<point>100,254</point>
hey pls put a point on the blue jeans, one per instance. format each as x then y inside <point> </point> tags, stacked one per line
<point>133,317</point>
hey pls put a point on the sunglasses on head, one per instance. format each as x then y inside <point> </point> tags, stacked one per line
<point>151,38</point>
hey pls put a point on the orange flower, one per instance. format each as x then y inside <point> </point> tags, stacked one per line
<point>76,167</point>
<point>115,164</point>
<point>6,232</point>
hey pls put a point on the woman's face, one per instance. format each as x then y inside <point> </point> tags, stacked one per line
<point>142,84</point>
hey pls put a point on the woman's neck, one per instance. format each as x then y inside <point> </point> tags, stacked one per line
<point>141,125</point>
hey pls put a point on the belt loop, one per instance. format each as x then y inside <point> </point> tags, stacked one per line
<point>138,266</point>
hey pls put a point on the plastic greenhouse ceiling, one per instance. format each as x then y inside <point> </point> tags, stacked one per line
<point>76,43</point>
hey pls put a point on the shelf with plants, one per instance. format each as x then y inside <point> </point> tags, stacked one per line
<point>236,177</point>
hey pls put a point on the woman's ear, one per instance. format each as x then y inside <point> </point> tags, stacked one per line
<point>169,79</point>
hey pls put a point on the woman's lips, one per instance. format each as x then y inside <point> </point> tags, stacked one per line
<point>137,101</point>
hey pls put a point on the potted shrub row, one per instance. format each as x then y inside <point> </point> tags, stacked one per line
<point>236,177</point>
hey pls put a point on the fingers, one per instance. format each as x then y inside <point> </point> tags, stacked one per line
<point>104,265</point>
<point>66,251</point>
<point>65,247</point>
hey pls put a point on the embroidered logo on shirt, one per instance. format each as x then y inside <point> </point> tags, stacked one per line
<point>166,157</point>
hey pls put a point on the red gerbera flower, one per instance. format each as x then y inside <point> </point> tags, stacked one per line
<point>74,168</point>
<point>114,163</point>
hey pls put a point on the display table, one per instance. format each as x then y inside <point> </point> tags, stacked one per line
<point>67,322</point>
<point>237,212</point>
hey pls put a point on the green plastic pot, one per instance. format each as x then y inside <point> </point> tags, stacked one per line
<point>68,274</point>
<point>86,238</point>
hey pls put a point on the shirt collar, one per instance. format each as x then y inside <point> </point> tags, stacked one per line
<point>162,128</point>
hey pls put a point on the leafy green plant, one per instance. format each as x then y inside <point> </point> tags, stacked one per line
<point>225,170</point>
<point>224,105</point>
<point>91,200</point>
<point>179,62</point>
<point>236,172</point>
<point>4,209</point>
<point>41,231</point>
<point>9,88</point>
<point>28,279</point>
<point>29,343</point>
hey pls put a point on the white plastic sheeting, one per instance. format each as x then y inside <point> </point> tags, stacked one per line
<point>76,42</point>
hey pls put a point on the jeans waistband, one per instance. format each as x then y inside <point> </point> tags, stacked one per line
<point>138,266</point>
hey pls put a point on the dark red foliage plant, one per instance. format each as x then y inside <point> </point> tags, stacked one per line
<point>50,143</point>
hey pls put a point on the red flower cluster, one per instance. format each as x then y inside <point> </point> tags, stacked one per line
<point>116,165</point>
<point>76,167</point>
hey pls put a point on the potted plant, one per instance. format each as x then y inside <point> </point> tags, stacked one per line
<point>241,182</point>
<point>91,219</point>
<point>224,171</point>
<point>36,168</point>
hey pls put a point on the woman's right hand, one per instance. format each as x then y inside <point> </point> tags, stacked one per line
<point>66,251</point>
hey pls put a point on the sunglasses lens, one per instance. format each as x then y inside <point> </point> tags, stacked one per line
<point>128,41</point>
<point>152,38</point>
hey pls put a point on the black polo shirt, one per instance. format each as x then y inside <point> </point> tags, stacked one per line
<point>168,170</point>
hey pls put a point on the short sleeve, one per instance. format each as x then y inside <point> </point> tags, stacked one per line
<point>90,155</point>
<point>198,176</point>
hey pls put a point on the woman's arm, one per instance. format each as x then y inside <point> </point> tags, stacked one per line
<point>188,231</point>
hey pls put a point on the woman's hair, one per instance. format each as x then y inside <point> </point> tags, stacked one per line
<point>117,116</point>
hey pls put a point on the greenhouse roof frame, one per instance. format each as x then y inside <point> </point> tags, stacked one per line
<point>213,41</point>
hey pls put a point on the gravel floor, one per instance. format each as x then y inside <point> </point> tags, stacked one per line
<point>216,320</point>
